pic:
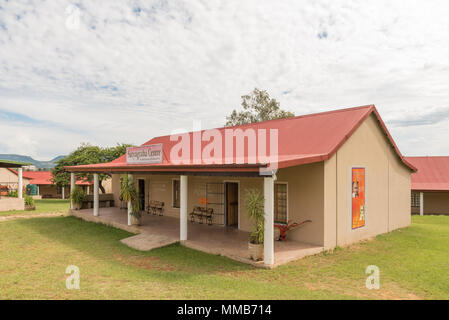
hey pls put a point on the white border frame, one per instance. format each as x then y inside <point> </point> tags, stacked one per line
<point>288,196</point>
<point>350,198</point>
<point>239,205</point>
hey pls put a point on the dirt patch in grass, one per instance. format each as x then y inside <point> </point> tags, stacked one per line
<point>147,263</point>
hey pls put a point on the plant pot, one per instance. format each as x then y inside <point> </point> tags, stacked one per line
<point>255,251</point>
<point>30,208</point>
<point>135,221</point>
<point>77,206</point>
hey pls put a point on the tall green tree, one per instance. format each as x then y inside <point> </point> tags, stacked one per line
<point>86,154</point>
<point>257,106</point>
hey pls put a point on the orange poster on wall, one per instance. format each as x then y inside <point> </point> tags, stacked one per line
<point>358,198</point>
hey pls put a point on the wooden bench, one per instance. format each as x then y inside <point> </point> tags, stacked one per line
<point>156,208</point>
<point>202,213</point>
<point>104,199</point>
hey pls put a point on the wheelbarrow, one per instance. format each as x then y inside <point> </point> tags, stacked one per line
<point>286,227</point>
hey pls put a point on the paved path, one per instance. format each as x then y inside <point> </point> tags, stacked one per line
<point>145,241</point>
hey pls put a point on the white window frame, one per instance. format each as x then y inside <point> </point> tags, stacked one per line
<point>417,200</point>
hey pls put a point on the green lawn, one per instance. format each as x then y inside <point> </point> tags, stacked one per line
<point>42,206</point>
<point>34,254</point>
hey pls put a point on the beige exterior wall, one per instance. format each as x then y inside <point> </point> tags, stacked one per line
<point>7,204</point>
<point>10,179</point>
<point>305,201</point>
<point>330,203</point>
<point>387,187</point>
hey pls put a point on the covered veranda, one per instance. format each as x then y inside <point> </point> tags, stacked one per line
<point>229,242</point>
<point>158,231</point>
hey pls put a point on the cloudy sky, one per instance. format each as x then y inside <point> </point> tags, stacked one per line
<point>124,71</point>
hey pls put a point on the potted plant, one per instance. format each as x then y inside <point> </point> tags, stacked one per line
<point>128,193</point>
<point>77,195</point>
<point>29,203</point>
<point>254,207</point>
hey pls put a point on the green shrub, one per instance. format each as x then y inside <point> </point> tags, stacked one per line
<point>255,209</point>
<point>13,193</point>
<point>29,201</point>
<point>77,195</point>
<point>128,192</point>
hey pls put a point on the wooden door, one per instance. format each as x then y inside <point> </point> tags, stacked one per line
<point>232,204</point>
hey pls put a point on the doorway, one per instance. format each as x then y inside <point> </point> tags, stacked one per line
<point>141,183</point>
<point>232,204</point>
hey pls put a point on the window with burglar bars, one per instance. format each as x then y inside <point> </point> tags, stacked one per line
<point>280,202</point>
<point>176,187</point>
<point>416,201</point>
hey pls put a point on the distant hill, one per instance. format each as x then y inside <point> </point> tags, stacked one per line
<point>28,159</point>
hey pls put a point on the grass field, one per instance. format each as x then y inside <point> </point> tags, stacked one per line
<point>34,254</point>
<point>42,206</point>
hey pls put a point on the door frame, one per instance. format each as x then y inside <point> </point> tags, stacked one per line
<point>144,192</point>
<point>226,202</point>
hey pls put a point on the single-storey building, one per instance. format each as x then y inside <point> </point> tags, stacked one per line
<point>9,182</point>
<point>430,185</point>
<point>46,189</point>
<point>340,171</point>
<point>9,179</point>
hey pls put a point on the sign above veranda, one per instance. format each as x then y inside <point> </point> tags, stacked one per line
<point>144,154</point>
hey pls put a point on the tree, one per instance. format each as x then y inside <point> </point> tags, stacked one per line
<point>86,154</point>
<point>257,107</point>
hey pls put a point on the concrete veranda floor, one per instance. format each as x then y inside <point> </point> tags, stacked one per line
<point>157,231</point>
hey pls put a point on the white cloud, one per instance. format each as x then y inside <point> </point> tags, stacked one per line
<point>136,69</point>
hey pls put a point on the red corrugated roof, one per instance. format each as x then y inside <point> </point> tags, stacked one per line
<point>44,178</point>
<point>432,175</point>
<point>303,139</point>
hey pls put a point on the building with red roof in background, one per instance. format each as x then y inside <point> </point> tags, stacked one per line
<point>430,185</point>
<point>339,172</point>
<point>45,186</point>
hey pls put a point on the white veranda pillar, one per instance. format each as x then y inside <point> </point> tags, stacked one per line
<point>96,195</point>
<point>421,203</point>
<point>72,187</point>
<point>19,192</point>
<point>63,193</point>
<point>268,240</point>
<point>183,209</point>
<point>130,177</point>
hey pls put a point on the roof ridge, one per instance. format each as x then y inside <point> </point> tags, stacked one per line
<point>423,157</point>
<point>368,106</point>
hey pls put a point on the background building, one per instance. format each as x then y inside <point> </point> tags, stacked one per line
<point>430,185</point>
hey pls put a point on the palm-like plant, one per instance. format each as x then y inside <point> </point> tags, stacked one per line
<point>77,195</point>
<point>128,193</point>
<point>255,209</point>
